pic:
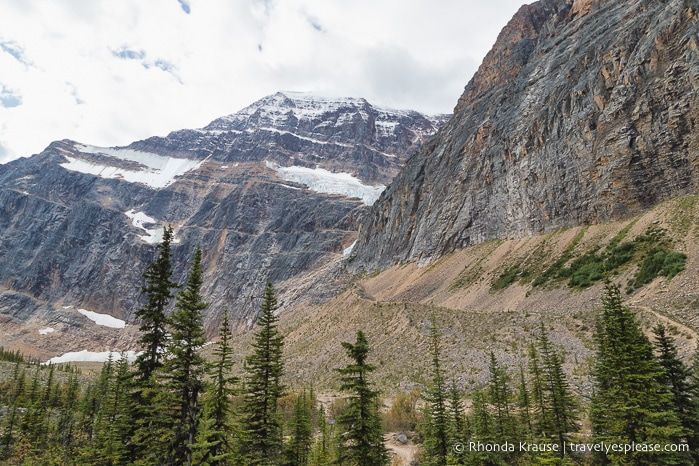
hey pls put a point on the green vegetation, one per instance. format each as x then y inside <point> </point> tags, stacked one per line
<point>11,356</point>
<point>554,270</point>
<point>188,411</point>
<point>631,401</point>
<point>507,278</point>
<point>652,251</point>
<point>360,436</point>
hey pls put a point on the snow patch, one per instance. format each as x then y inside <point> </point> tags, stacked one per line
<point>324,181</point>
<point>104,320</point>
<point>158,172</point>
<point>348,250</point>
<point>139,220</point>
<point>92,356</point>
<point>47,330</point>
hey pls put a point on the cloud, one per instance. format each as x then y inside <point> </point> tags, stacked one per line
<point>14,50</point>
<point>185,6</point>
<point>126,54</point>
<point>9,98</point>
<point>108,73</point>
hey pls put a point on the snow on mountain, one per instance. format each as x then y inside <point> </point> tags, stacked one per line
<point>103,319</point>
<point>324,181</point>
<point>348,249</point>
<point>92,356</point>
<point>287,107</point>
<point>139,220</point>
<point>153,170</point>
<point>46,331</point>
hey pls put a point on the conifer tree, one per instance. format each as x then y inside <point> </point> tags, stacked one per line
<point>524,404</point>
<point>263,387</point>
<point>321,454</point>
<point>300,431</point>
<point>436,444</point>
<point>560,407</point>
<point>213,445</point>
<point>66,421</point>
<point>629,404</point>
<point>457,425</point>
<point>184,367</point>
<point>539,414</point>
<point>677,377</point>
<point>151,428</point>
<point>360,435</point>
<point>500,398</point>
<point>483,431</point>
<point>158,289</point>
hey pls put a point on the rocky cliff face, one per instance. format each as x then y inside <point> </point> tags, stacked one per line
<point>583,111</point>
<point>274,192</point>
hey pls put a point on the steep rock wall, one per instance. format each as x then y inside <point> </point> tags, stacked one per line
<point>582,112</point>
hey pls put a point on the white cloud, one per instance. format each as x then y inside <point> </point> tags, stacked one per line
<point>107,72</point>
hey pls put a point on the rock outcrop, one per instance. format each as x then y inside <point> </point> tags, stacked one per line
<point>582,112</point>
<point>274,192</point>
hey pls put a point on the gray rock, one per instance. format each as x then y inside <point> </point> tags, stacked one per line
<point>582,112</point>
<point>65,237</point>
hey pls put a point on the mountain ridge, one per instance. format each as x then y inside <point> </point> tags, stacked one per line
<point>79,223</point>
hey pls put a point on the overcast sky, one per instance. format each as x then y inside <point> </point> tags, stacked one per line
<point>109,72</point>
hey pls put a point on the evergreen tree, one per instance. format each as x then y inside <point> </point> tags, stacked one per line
<point>322,453</point>
<point>436,445</point>
<point>300,431</point>
<point>360,437</point>
<point>151,427</point>
<point>524,404</point>
<point>560,407</point>
<point>500,398</point>
<point>540,413</point>
<point>263,388</point>
<point>629,405</point>
<point>483,430</point>
<point>67,419</point>
<point>184,366</point>
<point>677,377</point>
<point>213,445</point>
<point>457,424</point>
<point>158,277</point>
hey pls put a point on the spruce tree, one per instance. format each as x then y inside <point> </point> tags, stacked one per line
<point>151,429</point>
<point>457,425</point>
<point>524,404</point>
<point>629,404</point>
<point>483,431</point>
<point>158,289</point>
<point>322,450</point>
<point>561,408</point>
<point>213,445</point>
<point>436,445</point>
<point>360,434</point>
<point>500,398</point>
<point>300,432</point>
<point>263,388</point>
<point>184,366</point>
<point>677,378</point>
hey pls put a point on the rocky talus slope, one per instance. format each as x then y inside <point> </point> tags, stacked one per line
<point>273,192</point>
<point>583,111</point>
<point>460,291</point>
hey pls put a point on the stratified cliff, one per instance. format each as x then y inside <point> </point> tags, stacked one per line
<point>583,111</point>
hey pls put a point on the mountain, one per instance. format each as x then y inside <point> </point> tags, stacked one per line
<point>583,112</point>
<point>273,192</point>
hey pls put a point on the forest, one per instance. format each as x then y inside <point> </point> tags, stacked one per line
<point>173,406</point>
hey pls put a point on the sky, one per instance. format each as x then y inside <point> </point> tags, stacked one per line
<point>110,72</point>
